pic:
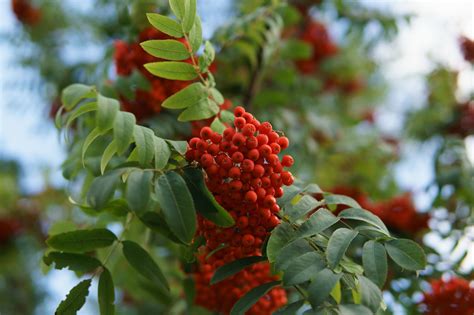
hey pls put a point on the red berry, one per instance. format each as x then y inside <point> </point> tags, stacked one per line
<point>273,159</point>
<point>265,127</point>
<point>248,117</point>
<point>242,222</point>
<point>258,170</point>
<point>239,111</point>
<point>283,142</point>
<point>262,139</point>
<point>287,161</point>
<point>248,240</point>
<point>206,133</point>
<point>287,178</point>
<point>269,201</point>
<point>229,133</point>
<point>207,160</point>
<point>238,139</point>
<point>237,157</point>
<point>247,165</point>
<point>265,150</point>
<point>252,142</point>
<point>234,172</point>
<point>239,122</point>
<point>250,196</point>
<point>248,130</point>
<point>216,138</point>
<point>235,185</point>
<point>253,154</point>
<point>275,148</point>
<point>273,137</point>
<point>193,142</point>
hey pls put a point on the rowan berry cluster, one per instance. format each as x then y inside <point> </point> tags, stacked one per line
<point>131,56</point>
<point>245,175</point>
<point>25,12</point>
<point>454,296</point>
<point>467,48</point>
<point>9,228</point>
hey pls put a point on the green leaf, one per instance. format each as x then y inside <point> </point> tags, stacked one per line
<point>207,56</point>
<point>138,190</point>
<point>296,49</point>
<point>74,93</point>
<point>406,253</point>
<point>75,262</point>
<point>374,260</point>
<point>107,109</point>
<point>81,110</point>
<point>318,222</point>
<point>304,205</point>
<point>217,125</point>
<point>123,130</point>
<point>172,70</point>
<point>334,200</point>
<point>81,240</point>
<point>280,236</point>
<point>338,244</point>
<point>102,189</point>
<point>292,251</point>
<point>177,6</point>
<point>94,134</point>
<point>106,293</point>
<point>365,216</point>
<point>189,15</point>
<point>109,152</point>
<point>217,96</point>
<point>205,108</point>
<point>162,153</point>
<point>303,268</point>
<point>143,263</point>
<point>188,96</point>
<point>354,309</point>
<point>144,140</point>
<point>177,205</point>
<point>165,24</point>
<point>371,294</point>
<point>195,35</point>
<point>290,192</point>
<point>157,223</point>
<point>75,299</point>
<point>249,299</point>
<point>322,285</point>
<point>179,146</point>
<point>290,309</point>
<point>204,201</point>
<point>234,267</point>
<point>169,49</point>
<point>227,117</point>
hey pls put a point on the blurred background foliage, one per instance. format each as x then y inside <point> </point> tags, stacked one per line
<point>286,65</point>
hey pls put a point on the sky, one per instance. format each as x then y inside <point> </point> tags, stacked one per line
<point>431,37</point>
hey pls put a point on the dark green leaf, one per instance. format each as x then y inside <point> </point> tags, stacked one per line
<point>205,108</point>
<point>406,253</point>
<point>138,190</point>
<point>374,259</point>
<point>303,268</point>
<point>292,251</point>
<point>109,152</point>
<point>75,262</point>
<point>172,70</point>
<point>179,146</point>
<point>81,240</point>
<point>296,49</point>
<point>169,49</point>
<point>290,192</point>
<point>249,299</point>
<point>177,205</point>
<point>354,309</point>
<point>318,222</point>
<point>75,299</point>
<point>338,244</point>
<point>74,93</point>
<point>371,294</point>
<point>123,130</point>
<point>204,201</point>
<point>302,207</point>
<point>143,263</point>
<point>322,285</point>
<point>106,293</point>
<point>234,267</point>
<point>157,223</point>
<point>334,200</point>
<point>290,309</point>
<point>280,236</point>
<point>162,153</point>
<point>188,96</point>
<point>107,109</point>
<point>94,134</point>
<point>165,24</point>
<point>81,110</point>
<point>144,140</point>
<point>365,216</point>
<point>102,189</point>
